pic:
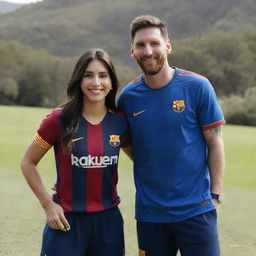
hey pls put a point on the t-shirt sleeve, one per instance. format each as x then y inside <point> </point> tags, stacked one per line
<point>209,110</point>
<point>48,132</point>
<point>126,135</point>
<point>128,139</point>
<point>120,102</point>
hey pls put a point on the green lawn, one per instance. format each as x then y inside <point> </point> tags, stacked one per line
<point>22,220</point>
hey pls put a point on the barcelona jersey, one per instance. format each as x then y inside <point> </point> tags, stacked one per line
<point>86,177</point>
<point>170,154</point>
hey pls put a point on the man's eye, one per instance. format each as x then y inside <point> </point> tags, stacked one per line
<point>140,45</point>
<point>154,43</point>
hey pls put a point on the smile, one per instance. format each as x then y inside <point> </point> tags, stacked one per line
<point>96,90</point>
<point>149,60</point>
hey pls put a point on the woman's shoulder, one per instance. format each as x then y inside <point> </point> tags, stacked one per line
<point>52,117</point>
<point>117,113</point>
<point>54,114</point>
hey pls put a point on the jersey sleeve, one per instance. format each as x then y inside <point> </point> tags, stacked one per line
<point>128,139</point>
<point>48,132</point>
<point>120,102</point>
<point>209,110</point>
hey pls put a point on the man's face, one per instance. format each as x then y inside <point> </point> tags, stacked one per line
<point>150,50</point>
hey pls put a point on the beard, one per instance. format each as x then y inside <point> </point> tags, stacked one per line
<point>153,69</point>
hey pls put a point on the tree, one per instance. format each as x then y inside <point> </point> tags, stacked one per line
<point>226,59</point>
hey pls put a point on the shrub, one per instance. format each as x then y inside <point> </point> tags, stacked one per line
<point>240,110</point>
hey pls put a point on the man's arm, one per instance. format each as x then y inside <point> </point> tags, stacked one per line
<point>216,159</point>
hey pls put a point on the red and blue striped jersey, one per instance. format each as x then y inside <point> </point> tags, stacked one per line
<point>87,177</point>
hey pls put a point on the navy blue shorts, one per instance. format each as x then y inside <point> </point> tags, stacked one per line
<point>91,234</point>
<point>197,236</point>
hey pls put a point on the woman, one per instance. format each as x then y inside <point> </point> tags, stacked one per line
<point>86,133</point>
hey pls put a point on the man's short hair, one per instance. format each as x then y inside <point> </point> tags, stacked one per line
<point>146,21</point>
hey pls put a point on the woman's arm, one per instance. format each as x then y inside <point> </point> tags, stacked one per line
<point>54,212</point>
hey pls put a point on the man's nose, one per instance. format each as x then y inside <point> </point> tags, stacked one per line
<point>147,50</point>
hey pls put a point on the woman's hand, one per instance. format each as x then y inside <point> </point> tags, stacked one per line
<point>55,217</point>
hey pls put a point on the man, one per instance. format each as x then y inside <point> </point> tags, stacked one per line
<point>177,149</point>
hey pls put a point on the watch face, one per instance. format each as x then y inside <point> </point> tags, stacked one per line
<point>221,198</point>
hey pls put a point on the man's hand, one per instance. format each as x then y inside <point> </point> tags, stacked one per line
<point>216,204</point>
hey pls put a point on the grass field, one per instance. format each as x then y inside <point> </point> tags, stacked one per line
<point>22,220</point>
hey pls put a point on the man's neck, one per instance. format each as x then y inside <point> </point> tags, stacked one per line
<point>163,77</point>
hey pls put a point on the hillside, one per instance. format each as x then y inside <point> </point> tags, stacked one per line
<point>8,7</point>
<point>65,27</point>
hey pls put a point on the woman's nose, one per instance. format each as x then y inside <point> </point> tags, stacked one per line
<point>96,81</point>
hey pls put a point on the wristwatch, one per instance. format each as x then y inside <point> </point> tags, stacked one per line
<point>219,197</point>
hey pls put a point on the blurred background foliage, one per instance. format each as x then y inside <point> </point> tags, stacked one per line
<point>39,44</point>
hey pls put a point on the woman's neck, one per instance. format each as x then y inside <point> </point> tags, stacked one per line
<point>94,113</point>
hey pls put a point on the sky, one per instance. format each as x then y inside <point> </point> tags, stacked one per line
<point>21,1</point>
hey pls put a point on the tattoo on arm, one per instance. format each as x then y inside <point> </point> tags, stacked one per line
<point>217,131</point>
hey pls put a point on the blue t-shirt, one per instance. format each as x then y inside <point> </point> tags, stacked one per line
<point>170,155</point>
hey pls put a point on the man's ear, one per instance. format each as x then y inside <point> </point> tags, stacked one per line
<point>132,51</point>
<point>168,46</point>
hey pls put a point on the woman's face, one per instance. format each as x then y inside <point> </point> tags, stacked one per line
<point>96,82</point>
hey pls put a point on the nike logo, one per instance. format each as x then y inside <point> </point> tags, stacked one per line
<point>138,113</point>
<point>76,139</point>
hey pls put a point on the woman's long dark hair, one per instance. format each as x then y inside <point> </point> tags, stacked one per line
<point>73,107</point>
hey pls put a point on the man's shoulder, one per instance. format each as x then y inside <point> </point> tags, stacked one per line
<point>136,80</point>
<point>192,80</point>
<point>132,85</point>
<point>190,74</point>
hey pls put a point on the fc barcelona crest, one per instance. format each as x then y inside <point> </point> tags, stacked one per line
<point>114,140</point>
<point>178,106</point>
